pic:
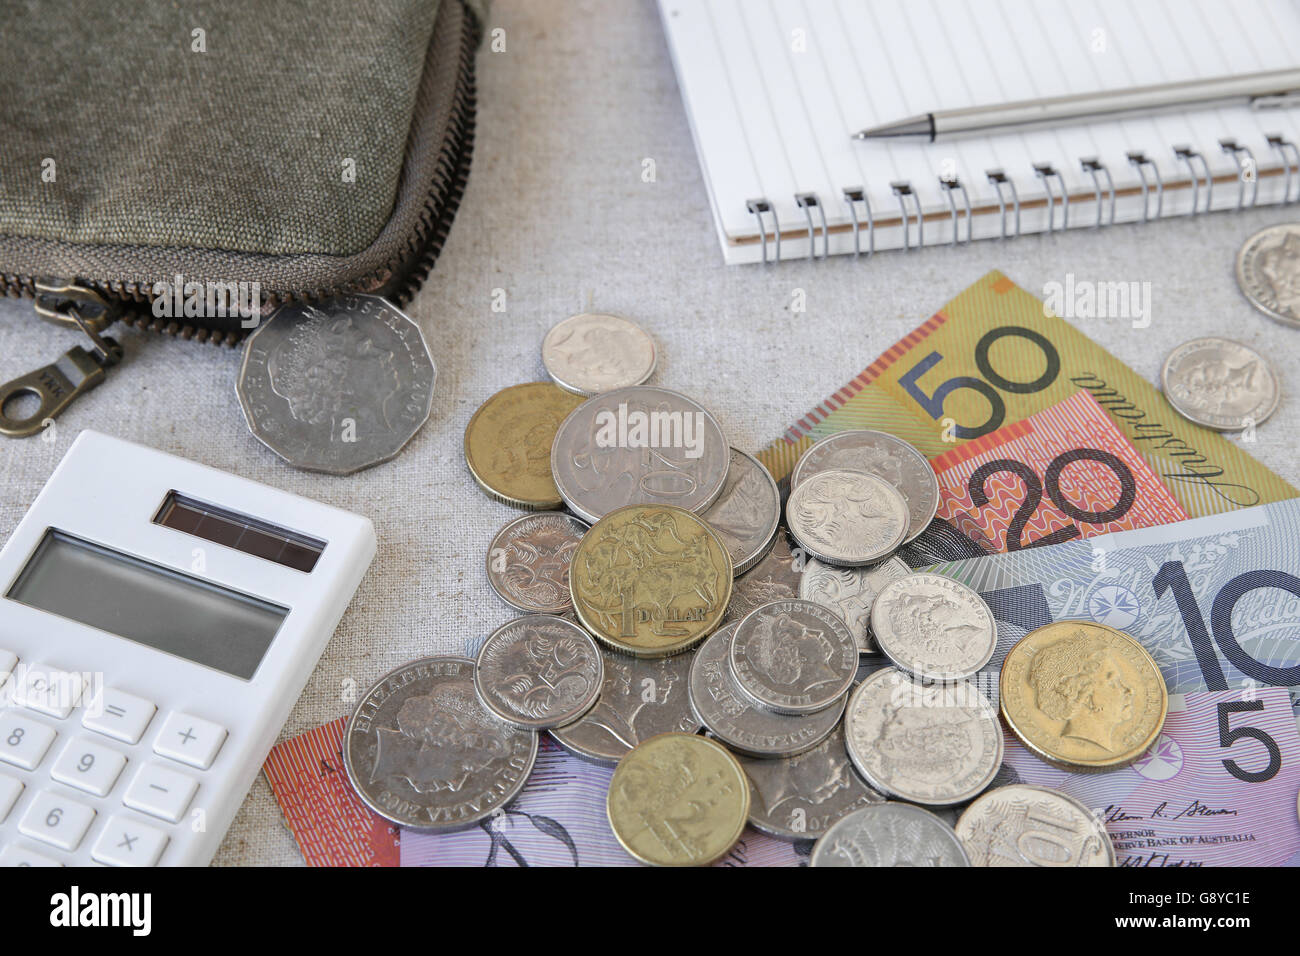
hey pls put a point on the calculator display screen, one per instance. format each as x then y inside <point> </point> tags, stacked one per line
<point>151,605</point>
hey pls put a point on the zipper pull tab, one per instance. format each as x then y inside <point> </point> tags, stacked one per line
<point>77,371</point>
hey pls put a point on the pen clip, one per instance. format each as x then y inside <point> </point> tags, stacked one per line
<point>1276,101</point>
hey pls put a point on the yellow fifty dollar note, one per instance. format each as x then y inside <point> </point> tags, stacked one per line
<point>993,356</point>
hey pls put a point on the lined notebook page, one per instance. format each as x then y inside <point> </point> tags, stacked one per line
<point>775,88</point>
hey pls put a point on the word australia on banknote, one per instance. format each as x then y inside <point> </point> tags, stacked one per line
<point>992,357</point>
<point>1216,601</point>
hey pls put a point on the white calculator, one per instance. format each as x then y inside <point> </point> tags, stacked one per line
<point>158,621</point>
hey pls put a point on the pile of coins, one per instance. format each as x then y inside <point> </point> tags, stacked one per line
<point>796,677</point>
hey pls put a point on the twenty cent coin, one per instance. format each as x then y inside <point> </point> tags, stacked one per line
<point>638,699</point>
<point>338,386</point>
<point>747,512</point>
<point>678,800</point>
<point>650,580</point>
<point>1023,825</point>
<point>508,444</point>
<point>731,717</point>
<point>937,744</point>
<point>539,671</point>
<point>798,798</point>
<point>847,517</point>
<point>528,561</point>
<point>593,353</point>
<point>793,657</point>
<point>1083,694</point>
<point>881,454</point>
<point>640,445</point>
<point>423,752</point>
<point>889,834</point>
<point>1220,384</point>
<point>933,627</point>
<point>850,592</point>
<point>1268,272</point>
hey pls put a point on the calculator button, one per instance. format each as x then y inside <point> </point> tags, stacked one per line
<point>20,856</point>
<point>160,792</point>
<point>119,715</point>
<point>87,766</point>
<point>48,690</point>
<point>8,660</point>
<point>10,789</point>
<point>23,741</point>
<point>126,842</point>
<point>54,819</point>
<point>190,740</point>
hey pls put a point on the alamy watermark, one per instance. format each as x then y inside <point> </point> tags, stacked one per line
<point>178,298</point>
<point>1087,299</point>
<point>635,428</point>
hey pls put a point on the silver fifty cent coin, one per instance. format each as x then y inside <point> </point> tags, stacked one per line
<point>1268,272</point>
<point>798,798</point>
<point>934,744</point>
<point>423,752</point>
<point>539,671</point>
<point>638,446</point>
<point>639,698</point>
<point>793,657</point>
<point>889,834</point>
<point>933,627</point>
<point>1023,825</point>
<point>1220,384</point>
<point>850,592</point>
<point>528,561</point>
<point>747,512</point>
<point>593,353</point>
<point>847,518</point>
<point>734,719</point>
<point>337,386</point>
<point>881,454</point>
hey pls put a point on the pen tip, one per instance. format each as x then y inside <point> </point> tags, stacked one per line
<point>911,127</point>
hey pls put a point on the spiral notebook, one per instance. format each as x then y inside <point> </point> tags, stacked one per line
<point>775,88</point>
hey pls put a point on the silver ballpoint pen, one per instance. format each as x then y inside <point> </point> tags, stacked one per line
<point>1273,90</point>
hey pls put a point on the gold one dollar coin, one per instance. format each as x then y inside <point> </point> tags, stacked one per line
<point>508,444</point>
<point>1083,695</point>
<point>678,800</point>
<point>650,580</point>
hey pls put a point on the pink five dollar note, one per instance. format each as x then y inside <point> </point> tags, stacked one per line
<point>1065,472</point>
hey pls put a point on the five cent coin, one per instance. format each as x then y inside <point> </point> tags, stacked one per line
<point>592,353</point>
<point>678,800</point>
<point>847,517</point>
<point>508,444</point>
<point>339,386</point>
<point>933,627</point>
<point>1083,694</point>
<point>650,580</point>
<point>1022,825</point>
<point>1220,384</point>
<point>889,834</point>
<point>1268,272</point>
<point>538,671</point>
<point>422,751</point>
<point>528,561</point>
<point>793,657</point>
<point>881,454</point>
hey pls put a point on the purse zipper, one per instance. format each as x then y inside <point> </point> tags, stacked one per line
<point>93,306</point>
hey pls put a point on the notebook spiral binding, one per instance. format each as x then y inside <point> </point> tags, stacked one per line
<point>1150,181</point>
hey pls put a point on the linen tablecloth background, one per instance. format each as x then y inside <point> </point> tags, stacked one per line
<point>558,216</point>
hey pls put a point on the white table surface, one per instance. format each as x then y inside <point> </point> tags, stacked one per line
<point>557,215</point>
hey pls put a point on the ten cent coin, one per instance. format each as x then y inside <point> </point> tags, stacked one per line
<point>1268,272</point>
<point>1023,825</point>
